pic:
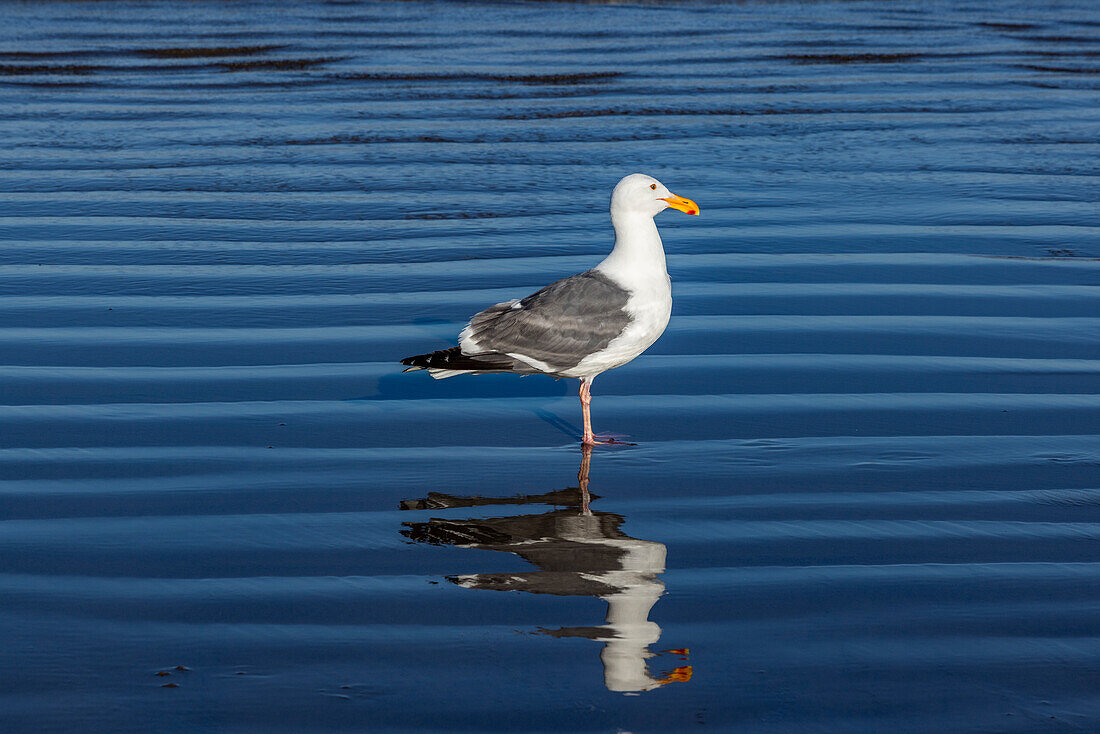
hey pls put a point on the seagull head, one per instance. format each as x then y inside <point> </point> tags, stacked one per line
<point>639,193</point>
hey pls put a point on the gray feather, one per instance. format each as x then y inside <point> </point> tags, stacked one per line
<point>559,325</point>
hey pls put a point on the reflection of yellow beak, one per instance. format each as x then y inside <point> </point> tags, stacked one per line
<point>683,673</point>
<point>685,205</point>
<point>680,675</point>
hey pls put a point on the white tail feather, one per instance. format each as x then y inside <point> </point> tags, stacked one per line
<point>439,374</point>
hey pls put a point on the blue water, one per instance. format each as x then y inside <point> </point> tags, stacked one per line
<point>865,495</point>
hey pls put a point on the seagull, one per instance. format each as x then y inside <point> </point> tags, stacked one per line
<point>585,324</point>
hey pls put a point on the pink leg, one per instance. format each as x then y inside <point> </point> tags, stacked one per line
<point>586,400</point>
<point>589,438</point>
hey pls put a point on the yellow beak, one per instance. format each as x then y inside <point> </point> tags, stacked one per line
<point>687,206</point>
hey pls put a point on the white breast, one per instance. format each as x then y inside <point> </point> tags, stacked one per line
<point>649,309</point>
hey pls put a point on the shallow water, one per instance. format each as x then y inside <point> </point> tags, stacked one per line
<point>865,493</point>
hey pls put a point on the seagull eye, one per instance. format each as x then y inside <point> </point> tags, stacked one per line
<point>653,186</point>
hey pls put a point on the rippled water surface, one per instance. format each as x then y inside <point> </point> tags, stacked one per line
<point>866,491</point>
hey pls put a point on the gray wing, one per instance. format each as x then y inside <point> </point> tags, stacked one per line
<point>559,325</point>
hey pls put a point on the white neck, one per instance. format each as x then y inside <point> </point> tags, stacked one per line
<point>639,255</point>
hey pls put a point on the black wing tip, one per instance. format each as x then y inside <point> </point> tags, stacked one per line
<point>454,359</point>
<point>442,359</point>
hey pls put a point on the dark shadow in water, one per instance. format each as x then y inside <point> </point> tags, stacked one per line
<point>579,552</point>
<point>560,424</point>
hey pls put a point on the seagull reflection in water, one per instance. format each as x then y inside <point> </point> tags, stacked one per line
<point>580,552</point>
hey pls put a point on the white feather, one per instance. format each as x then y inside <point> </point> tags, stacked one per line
<point>439,374</point>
